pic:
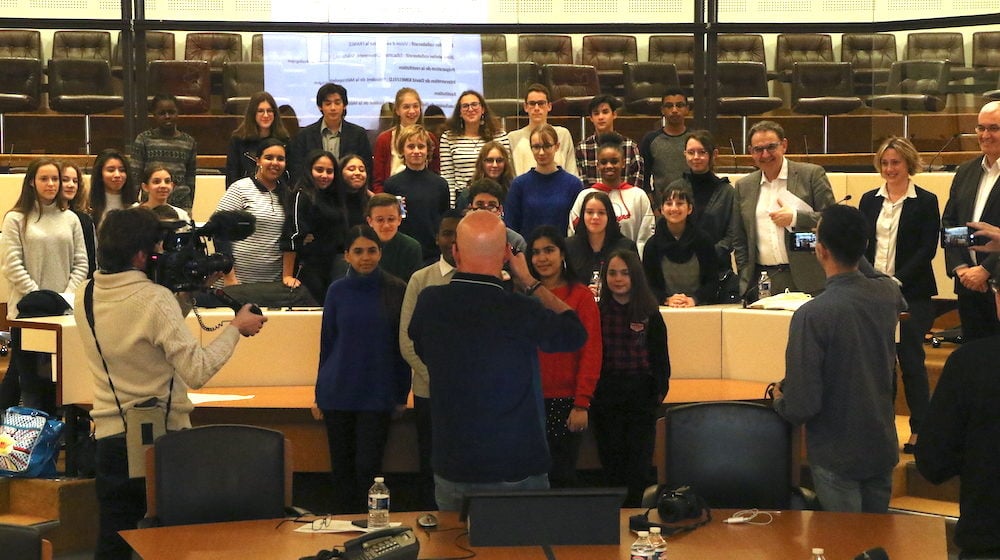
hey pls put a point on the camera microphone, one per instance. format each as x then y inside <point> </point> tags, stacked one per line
<point>232,303</point>
<point>234,225</point>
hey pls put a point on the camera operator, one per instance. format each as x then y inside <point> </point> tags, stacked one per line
<point>144,351</point>
<point>958,436</point>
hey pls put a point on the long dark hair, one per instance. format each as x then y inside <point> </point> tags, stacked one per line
<point>488,126</point>
<point>642,303</point>
<point>567,274</point>
<point>613,232</point>
<point>307,186</point>
<point>98,198</point>
<point>248,129</point>
<point>342,187</point>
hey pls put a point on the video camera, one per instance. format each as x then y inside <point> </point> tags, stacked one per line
<point>185,263</point>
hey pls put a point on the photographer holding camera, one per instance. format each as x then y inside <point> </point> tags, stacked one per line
<point>143,359</point>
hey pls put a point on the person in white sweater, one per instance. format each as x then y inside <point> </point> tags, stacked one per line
<point>42,249</point>
<point>150,353</point>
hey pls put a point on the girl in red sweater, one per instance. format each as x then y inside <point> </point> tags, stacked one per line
<point>568,378</point>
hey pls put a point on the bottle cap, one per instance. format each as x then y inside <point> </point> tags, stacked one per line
<point>379,479</point>
<point>817,551</point>
<point>643,534</point>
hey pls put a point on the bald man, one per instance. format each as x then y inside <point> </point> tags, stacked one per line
<point>974,197</point>
<point>480,344</point>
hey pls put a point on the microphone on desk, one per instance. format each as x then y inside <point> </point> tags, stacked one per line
<point>805,142</point>
<point>951,139</point>
<point>732,145</point>
<point>877,553</point>
<point>845,199</point>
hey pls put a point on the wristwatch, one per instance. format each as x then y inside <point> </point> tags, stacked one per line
<point>531,289</point>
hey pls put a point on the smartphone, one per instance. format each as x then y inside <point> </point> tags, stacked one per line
<point>960,237</point>
<point>363,523</point>
<point>804,241</point>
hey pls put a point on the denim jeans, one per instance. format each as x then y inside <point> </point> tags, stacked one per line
<point>450,495</point>
<point>837,493</point>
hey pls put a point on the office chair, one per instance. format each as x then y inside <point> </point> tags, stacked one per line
<point>19,542</point>
<point>734,454</point>
<point>217,473</point>
<point>743,92</point>
<point>823,88</point>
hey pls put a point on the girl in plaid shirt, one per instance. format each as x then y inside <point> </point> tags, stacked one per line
<point>634,376</point>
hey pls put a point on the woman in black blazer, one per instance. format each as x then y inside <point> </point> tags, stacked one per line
<point>904,221</point>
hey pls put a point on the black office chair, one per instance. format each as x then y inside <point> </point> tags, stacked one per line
<point>19,542</point>
<point>733,454</point>
<point>217,473</point>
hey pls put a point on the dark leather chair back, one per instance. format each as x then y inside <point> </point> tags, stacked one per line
<point>20,84</point>
<point>159,46</point>
<point>216,48</point>
<point>608,52</point>
<point>739,47</point>
<point>188,80</point>
<point>494,47</point>
<point>733,454</point>
<point>821,79</point>
<point>508,80</point>
<point>868,50</point>
<point>677,50</point>
<point>801,47</point>
<point>89,45</point>
<point>986,55</point>
<point>936,46</point>
<point>20,43</point>
<point>925,77</point>
<point>219,473</point>
<point>742,79</point>
<point>545,49</point>
<point>84,86</point>
<point>240,80</point>
<point>645,84</point>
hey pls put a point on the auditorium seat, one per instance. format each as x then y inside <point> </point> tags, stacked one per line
<point>740,47</point>
<point>188,80</point>
<point>505,85</point>
<point>280,46</point>
<point>677,50</point>
<point>494,47</point>
<point>801,47</point>
<point>645,84</point>
<point>20,89</point>
<point>216,48</point>
<point>915,86</point>
<point>949,47</point>
<point>240,80</point>
<point>607,53</point>
<point>572,87</point>
<point>986,55</point>
<point>823,88</point>
<point>159,46</point>
<point>86,45</point>
<point>743,91</point>
<point>871,56</point>
<point>20,43</point>
<point>544,49</point>
<point>82,86</point>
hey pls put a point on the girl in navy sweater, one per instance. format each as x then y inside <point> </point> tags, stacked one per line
<point>363,380</point>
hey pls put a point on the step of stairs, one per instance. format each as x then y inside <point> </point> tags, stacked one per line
<point>70,502</point>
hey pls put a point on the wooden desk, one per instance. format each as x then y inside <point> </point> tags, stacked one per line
<point>790,536</point>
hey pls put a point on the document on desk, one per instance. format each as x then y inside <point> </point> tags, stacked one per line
<point>336,526</point>
<point>200,398</point>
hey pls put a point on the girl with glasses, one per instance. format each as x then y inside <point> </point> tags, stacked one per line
<point>471,125</point>
<point>543,195</point>
<point>261,120</point>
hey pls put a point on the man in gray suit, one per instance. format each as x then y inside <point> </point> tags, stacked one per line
<point>764,210</point>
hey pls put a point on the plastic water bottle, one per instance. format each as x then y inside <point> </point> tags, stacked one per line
<point>595,282</point>
<point>378,504</point>
<point>658,543</point>
<point>642,549</point>
<point>817,554</point>
<point>763,285</point>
